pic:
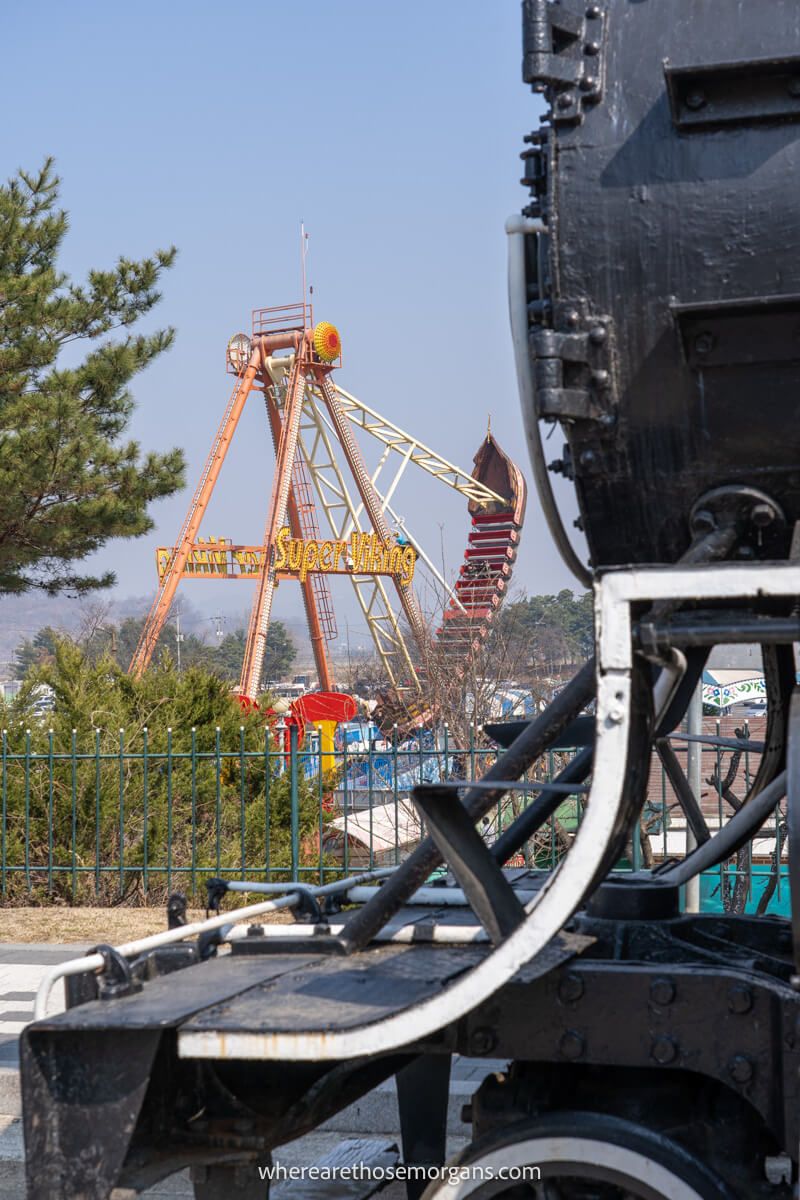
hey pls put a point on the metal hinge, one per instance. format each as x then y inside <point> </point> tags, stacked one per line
<point>536,164</point>
<point>574,367</point>
<point>563,43</point>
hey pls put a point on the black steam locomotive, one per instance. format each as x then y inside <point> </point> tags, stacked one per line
<point>654,1053</point>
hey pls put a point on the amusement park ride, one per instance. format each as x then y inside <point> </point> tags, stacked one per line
<point>652,1053</point>
<point>320,467</point>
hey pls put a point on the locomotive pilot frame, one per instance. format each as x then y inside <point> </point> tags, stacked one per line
<point>653,1053</point>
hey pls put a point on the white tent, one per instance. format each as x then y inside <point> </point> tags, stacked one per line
<point>382,827</point>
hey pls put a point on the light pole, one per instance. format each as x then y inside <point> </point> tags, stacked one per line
<point>178,634</point>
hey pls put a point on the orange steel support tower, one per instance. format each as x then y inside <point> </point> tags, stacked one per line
<point>287,328</point>
<point>312,423</point>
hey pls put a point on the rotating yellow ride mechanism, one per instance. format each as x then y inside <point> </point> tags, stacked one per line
<point>327,342</point>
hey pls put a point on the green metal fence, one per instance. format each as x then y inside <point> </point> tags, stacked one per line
<point>124,818</point>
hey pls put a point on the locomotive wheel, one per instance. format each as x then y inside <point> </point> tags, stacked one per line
<point>579,1156</point>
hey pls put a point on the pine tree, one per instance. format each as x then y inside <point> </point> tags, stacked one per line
<point>69,478</point>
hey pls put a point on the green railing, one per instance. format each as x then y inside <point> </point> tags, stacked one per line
<point>124,818</point>
<point>113,818</point>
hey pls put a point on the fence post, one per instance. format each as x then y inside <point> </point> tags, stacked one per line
<point>295,799</point>
<point>694,727</point>
<point>50,812</point>
<point>370,751</point>
<point>169,808</point>
<point>194,809</point>
<point>346,792</point>
<point>28,808</point>
<point>97,806</point>
<point>396,799</point>
<point>267,807</point>
<point>121,807</point>
<point>218,798</point>
<point>145,811</point>
<point>242,803</point>
<point>3,827</point>
<point>74,793</point>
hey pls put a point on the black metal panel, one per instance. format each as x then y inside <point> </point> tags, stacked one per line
<point>680,995</point>
<point>162,1003</point>
<point>341,994</point>
<point>67,1080</point>
<point>489,893</point>
<point>738,93</point>
<point>676,238</point>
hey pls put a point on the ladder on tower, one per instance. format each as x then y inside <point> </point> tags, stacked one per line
<point>310,531</point>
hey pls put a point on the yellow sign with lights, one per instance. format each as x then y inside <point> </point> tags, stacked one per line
<point>361,554</point>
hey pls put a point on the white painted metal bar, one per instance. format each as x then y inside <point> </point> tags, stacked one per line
<point>95,962</point>
<point>402,934</point>
<point>397,439</point>
<point>440,579</point>
<point>325,889</point>
<point>432,897</point>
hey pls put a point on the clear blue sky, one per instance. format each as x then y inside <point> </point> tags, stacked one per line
<point>392,130</point>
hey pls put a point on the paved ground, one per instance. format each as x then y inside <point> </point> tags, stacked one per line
<point>22,967</point>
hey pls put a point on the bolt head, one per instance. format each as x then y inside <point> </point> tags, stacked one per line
<point>740,999</point>
<point>600,378</point>
<point>740,1068</point>
<point>704,343</point>
<point>598,335</point>
<point>762,515</point>
<point>592,48</point>
<point>570,988</point>
<point>664,1050</point>
<point>588,83</point>
<point>566,100</point>
<point>696,100</point>
<point>572,1045</point>
<point>572,318</point>
<point>662,992</point>
<point>593,12</point>
<point>482,1040</point>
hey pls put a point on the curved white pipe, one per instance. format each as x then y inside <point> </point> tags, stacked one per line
<point>95,962</point>
<point>518,228</point>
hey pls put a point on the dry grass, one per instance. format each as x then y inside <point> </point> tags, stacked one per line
<point>93,925</point>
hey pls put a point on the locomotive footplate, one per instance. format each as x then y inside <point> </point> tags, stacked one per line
<point>124,1091</point>
<point>699,1010</point>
